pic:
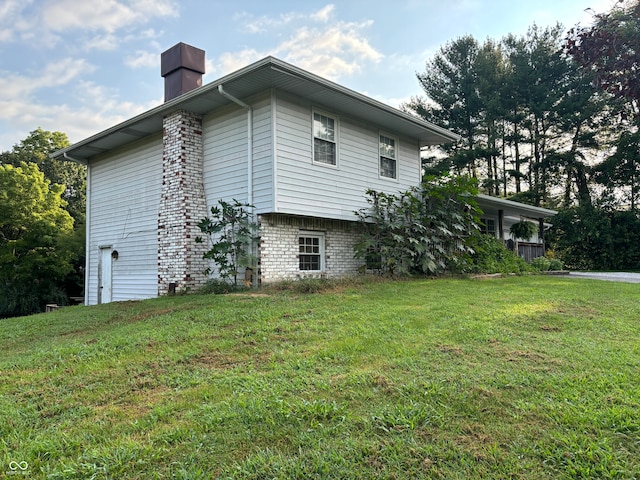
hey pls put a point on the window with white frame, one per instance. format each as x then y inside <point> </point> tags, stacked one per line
<point>311,251</point>
<point>325,139</point>
<point>488,226</point>
<point>388,156</point>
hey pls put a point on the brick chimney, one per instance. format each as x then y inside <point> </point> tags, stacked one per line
<point>183,202</point>
<point>182,67</point>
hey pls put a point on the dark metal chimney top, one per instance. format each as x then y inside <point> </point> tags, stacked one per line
<point>182,67</point>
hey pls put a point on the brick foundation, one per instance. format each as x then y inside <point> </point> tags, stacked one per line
<point>279,247</point>
<point>182,206</point>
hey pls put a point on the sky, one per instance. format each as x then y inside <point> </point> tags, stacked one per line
<point>82,66</point>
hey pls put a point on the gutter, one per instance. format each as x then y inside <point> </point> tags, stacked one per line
<point>87,224</point>
<point>249,140</point>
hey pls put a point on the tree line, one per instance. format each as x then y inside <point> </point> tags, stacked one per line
<point>551,119</point>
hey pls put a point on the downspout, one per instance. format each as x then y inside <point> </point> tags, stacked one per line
<point>249,161</point>
<point>249,141</point>
<point>87,224</point>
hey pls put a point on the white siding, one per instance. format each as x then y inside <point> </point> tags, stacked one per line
<point>225,154</point>
<point>125,195</point>
<point>304,188</point>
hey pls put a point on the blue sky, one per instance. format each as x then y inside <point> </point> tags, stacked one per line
<point>80,66</point>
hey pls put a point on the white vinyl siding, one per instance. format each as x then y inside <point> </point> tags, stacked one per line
<point>306,188</point>
<point>125,196</point>
<point>225,154</point>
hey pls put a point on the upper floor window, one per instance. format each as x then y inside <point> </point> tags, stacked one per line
<point>325,139</point>
<point>388,156</point>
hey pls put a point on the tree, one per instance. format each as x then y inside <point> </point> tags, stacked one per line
<point>33,225</point>
<point>527,114</point>
<point>620,171</point>
<point>451,85</point>
<point>35,148</point>
<point>609,50</point>
<point>232,233</point>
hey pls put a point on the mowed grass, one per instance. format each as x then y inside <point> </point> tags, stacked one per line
<point>520,377</point>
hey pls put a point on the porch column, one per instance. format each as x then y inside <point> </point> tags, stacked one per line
<point>541,233</point>
<point>501,225</point>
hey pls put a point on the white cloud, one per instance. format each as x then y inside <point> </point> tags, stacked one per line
<point>49,23</point>
<point>330,50</point>
<point>338,50</point>
<point>12,18</point>
<point>106,42</point>
<point>143,59</point>
<point>103,15</point>
<point>231,61</point>
<point>324,14</point>
<point>100,109</point>
<point>53,74</point>
<point>268,23</point>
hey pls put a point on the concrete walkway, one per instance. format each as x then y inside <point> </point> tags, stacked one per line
<point>609,276</point>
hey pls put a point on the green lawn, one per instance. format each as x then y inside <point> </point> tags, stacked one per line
<point>519,377</point>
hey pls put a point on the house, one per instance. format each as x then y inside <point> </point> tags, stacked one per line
<point>500,214</point>
<point>303,150</point>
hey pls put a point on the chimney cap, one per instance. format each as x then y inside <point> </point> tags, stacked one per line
<point>180,56</point>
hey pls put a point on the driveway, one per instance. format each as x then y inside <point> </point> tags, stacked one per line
<point>609,276</point>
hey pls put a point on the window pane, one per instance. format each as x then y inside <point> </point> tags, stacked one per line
<point>324,152</point>
<point>324,127</point>
<point>309,262</point>
<point>387,167</point>
<point>387,146</point>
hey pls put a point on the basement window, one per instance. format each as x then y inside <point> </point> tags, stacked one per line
<point>311,252</point>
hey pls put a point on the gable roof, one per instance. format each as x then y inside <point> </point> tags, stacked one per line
<point>267,73</point>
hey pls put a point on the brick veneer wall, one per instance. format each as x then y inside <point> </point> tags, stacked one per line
<point>279,247</point>
<point>182,204</point>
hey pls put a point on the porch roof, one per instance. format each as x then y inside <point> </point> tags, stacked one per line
<point>491,205</point>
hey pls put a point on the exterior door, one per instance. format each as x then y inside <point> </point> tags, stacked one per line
<point>104,275</point>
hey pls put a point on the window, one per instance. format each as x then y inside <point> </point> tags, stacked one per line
<point>388,146</point>
<point>311,252</point>
<point>325,140</point>
<point>488,226</point>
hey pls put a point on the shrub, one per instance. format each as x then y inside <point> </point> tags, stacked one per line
<point>218,286</point>
<point>423,230</point>
<point>541,263</point>
<point>555,265</point>
<point>492,256</point>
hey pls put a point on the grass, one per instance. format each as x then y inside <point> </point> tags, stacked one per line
<point>520,377</point>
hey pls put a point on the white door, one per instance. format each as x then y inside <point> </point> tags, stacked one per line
<point>104,276</point>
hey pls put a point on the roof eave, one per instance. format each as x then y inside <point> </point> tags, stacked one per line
<point>522,208</point>
<point>433,134</point>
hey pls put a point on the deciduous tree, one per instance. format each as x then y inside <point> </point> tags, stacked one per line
<point>33,227</point>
